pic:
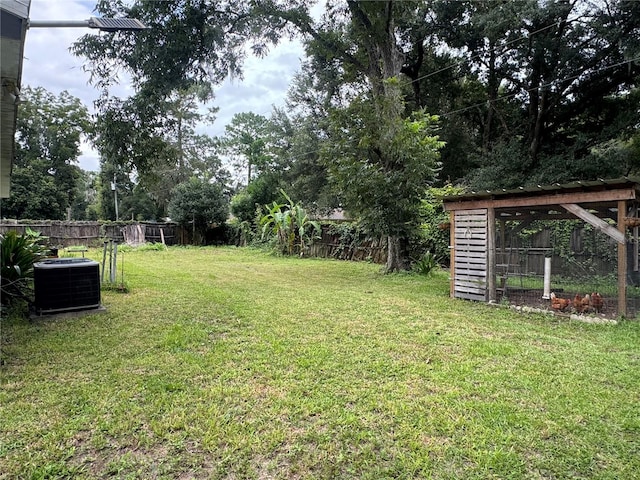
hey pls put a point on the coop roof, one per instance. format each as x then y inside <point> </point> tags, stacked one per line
<point>601,196</point>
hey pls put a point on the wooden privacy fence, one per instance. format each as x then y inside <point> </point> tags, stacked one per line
<point>363,247</point>
<point>64,234</point>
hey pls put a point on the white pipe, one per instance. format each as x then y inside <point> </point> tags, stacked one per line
<point>59,23</point>
<point>547,278</point>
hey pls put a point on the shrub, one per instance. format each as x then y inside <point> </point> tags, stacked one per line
<point>426,265</point>
<point>18,253</point>
<point>433,237</point>
<point>240,233</point>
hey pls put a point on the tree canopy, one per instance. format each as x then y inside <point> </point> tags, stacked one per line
<point>524,92</point>
<point>45,177</point>
<point>198,203</point>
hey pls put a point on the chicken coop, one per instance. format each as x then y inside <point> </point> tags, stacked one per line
<point>571,248</point>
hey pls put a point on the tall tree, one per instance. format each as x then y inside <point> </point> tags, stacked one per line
<point>159,145</point>
<point>363,43</point>
<point>382,163</point>
<point>189,44</point>
<point>246,141</point>
<point>46,173</point>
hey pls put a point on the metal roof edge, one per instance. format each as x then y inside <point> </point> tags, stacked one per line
<point>545,189</point>
<point>19,8</point>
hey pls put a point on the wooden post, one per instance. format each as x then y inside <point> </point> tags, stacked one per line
<point>503,238</point>
<point>636,233</point>
<point>491,255</point>
<point>452,251</point>
<point>622,261</point>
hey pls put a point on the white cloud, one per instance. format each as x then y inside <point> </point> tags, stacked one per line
<point>49,64</point>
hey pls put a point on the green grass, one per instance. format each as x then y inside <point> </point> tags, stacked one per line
<point>230,363</point>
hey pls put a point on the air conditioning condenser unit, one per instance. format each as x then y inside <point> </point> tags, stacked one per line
<point>66,284</point>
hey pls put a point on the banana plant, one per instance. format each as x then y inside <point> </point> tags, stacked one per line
<point>291,226</point>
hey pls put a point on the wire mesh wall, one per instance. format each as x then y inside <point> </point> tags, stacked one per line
<point>583,273</point>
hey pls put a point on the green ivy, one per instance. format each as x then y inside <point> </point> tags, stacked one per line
<point>596,247</point>
<point>434,231</point>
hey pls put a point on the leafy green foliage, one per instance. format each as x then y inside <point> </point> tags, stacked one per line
<point>155,138</point>
<point>188,47</point>
<point>289,224</point>
<point>45,179</point>
<point>297,136</point>
<point>18,253</point>
<point>198,203</point>
<point>240,232</point>
<point>434,235</point>
<point>426,264</point>
<point>264,189</point>
<point>349,235</point>
<point>382,164</point>
<point>582,249</point>
<point>550,98</point>
<point>246,142</point>
<point>187,43</point>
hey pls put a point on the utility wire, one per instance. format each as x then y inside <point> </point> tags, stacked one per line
<point>473,57</point>
<point>480,104</point>
<point>537,88</point>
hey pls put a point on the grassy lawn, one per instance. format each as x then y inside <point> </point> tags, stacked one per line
<point>230,363</point>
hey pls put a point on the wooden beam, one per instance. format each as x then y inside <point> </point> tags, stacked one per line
<point>491,255</point>
<point>598,223</point>
<point>622,261</point>
<point>452,252</point>
<point>628,193</point>
<point>530,216</point>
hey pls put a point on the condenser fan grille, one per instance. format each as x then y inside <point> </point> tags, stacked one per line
<point>66,284</point>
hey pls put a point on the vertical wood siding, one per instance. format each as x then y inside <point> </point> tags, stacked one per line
<point>470,261</point>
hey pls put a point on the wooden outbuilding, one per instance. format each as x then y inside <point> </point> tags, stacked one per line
<point>478,218</point>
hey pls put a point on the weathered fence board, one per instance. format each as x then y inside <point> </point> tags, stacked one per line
<point>64,234</point>
<point>359,249</point>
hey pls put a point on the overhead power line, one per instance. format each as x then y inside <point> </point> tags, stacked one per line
<point>473,57</point>
<point>511,95</point>
<point>503,97</point>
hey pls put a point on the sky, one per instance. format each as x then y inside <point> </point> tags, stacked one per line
<point>49,64</point>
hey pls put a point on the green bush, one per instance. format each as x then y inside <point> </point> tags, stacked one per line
<point>434,232</point>
<point>240,233</point>
<point>18,253</point>
<point>426,265</point>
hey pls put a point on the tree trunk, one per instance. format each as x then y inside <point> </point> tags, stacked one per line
<point>395,255</point>
<point>180,152</point>
<point>492,86</point>
<point>537,126</point>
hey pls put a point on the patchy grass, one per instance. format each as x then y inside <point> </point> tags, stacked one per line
<point>230,363</point>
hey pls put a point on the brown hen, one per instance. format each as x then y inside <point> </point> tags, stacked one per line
<point>560,304</point>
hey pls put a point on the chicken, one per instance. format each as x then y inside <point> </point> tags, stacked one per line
<point>582,304</point>
<point>597,302</point>
<point>560,304</point>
